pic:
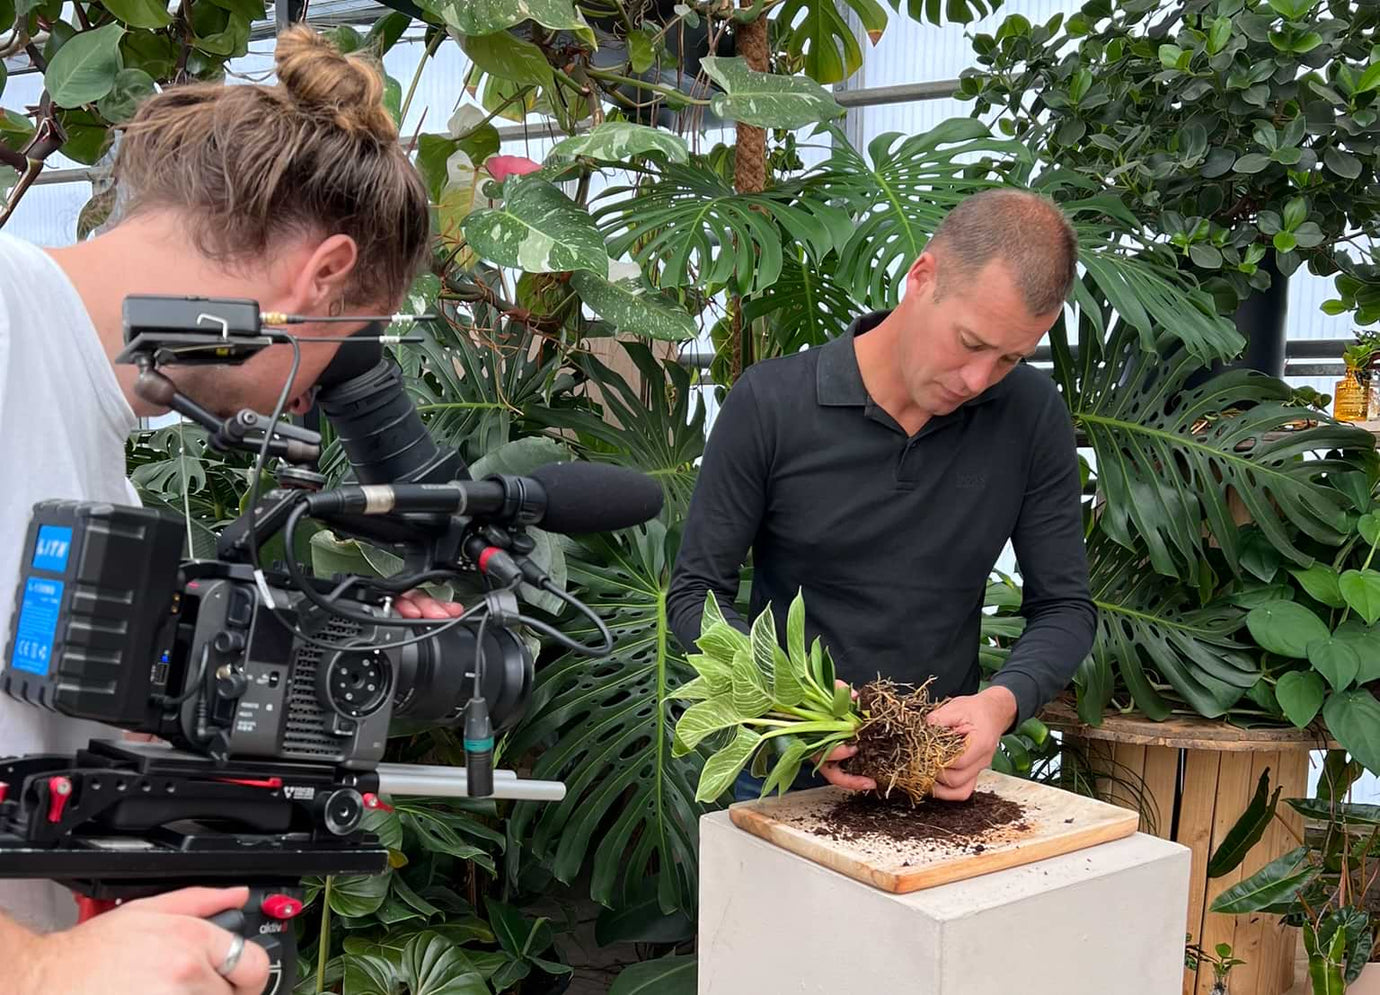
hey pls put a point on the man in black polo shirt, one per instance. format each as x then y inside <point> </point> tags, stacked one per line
<point>884,472</point>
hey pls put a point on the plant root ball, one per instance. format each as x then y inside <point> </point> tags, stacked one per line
<point>897,747</point>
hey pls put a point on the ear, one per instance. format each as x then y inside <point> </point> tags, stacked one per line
<point>323,278</point>
<point>923,275</point>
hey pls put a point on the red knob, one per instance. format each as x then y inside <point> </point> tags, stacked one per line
<point>281,906</point>
<point>59,792</point>
<point>372,800</point>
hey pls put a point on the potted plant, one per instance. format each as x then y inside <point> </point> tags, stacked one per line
<point>1327,885</point>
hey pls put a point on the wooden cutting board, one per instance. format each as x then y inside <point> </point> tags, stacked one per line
<point>1055,822</point>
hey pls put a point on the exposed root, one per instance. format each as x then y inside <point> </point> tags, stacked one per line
<point>897,747</point>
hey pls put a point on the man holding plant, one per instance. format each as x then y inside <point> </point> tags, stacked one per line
<point>883,473</point>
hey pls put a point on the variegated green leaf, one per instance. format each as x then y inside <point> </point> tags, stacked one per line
<point>722,769</point>
<point>750,697</point>
<point>712,613</point>
<point>764,650</point>
<point>767,100</point>
<point>721,641</point>
<point>704,719</point>
<point>700,689</point>
<point>632,309</point>
<point>538,229</point>
<point>482,17</point>
<point>620,141</point>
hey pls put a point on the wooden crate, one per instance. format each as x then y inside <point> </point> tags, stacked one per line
<point>1191,778</point>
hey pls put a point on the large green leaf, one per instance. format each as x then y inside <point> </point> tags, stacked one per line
<point>358,895</point>
<point>538,229</point>
<point>1286,628</point>
<point>632,308</point>
<point>140,13</point>
<point>898,195</point>
<point>433,965</point>
<point>1273,888</point>
<point>131,87</point>
<point>671,975</point>
<point>605,728</point>
<point>691,227</point>
<point>1353,719</point>
<point>1300,695</point>
<point>806,306</point>
<point>1361,588</point>
<point>508,57</point>
<point>1154,634</point>
<point>1169,458</point>
<point>369,974</point>
<point>472,388</point>
<point>85,68</point>
<point>1348,813</point>
<point>621,142</point>
<point>1248,829</point>
<point>723,768</point>
<point>819,33</point>
<point>482,17</point>
<point>661,433</point>
<point>767,100</point>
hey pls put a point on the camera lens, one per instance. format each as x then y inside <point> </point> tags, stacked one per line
<point>436,677</point>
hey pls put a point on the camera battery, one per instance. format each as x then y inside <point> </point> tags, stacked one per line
<point>96,589</point>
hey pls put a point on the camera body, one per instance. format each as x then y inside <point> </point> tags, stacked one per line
<point>112,626</point>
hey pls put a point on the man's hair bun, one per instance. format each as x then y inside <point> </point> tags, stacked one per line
<point>347,90</point>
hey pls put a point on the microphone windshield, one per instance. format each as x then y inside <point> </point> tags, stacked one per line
<point>595,497</point>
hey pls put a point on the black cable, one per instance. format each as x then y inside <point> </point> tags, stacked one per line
<point>291,558</point>
<point>193,686</point>
<point>548,585</point>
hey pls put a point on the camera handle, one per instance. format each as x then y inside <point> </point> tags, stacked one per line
<point>265,919</point>
<point>244,430</point>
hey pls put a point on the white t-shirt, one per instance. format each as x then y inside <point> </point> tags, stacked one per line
<point>63,425</point>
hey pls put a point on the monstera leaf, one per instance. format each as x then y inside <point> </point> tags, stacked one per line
<point>824,38</point>
<point>605,727</point>
<point>1170,456</point>
<point>898,194</point>
<point>690,228</point>
<point>806,305</point>
<point>660,436</point>
<point>472,391</point>
<point>1159,640</point>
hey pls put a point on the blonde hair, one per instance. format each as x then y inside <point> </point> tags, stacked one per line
<point>317,153</point>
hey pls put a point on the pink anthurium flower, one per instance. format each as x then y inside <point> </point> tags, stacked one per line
<point>501,167</point>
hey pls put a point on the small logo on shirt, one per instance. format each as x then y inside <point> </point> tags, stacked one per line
<point>970,480</point>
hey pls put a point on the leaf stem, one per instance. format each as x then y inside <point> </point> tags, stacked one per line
<point>323,953</point>
<point>416,76</point>
<point>612,77</point>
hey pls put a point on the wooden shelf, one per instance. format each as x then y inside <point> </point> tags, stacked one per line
<point>1189,732</point>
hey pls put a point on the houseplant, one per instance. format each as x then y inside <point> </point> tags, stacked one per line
<point>1326,885</point>
<point>1245,131</point>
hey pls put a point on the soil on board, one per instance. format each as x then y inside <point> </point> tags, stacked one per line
<point>972,826</point>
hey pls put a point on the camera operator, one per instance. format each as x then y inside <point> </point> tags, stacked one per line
<point>296,195</point>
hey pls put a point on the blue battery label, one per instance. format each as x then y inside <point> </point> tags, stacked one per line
<point>38,618</point>
<point>53,547</point>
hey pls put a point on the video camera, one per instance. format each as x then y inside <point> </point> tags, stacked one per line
<point>272,691</point>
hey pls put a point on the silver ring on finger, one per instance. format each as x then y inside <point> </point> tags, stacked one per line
<point>232,957</point>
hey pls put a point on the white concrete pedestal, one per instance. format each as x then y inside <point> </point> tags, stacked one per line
<point>1108,920</point>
